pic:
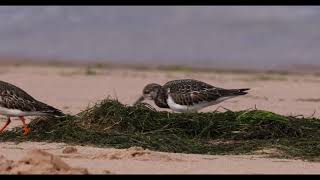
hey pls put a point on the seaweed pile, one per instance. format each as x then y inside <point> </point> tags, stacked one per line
<point>112,124</point>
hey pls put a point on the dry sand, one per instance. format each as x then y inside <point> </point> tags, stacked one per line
<point>136,160</point>
<point>72,90</point>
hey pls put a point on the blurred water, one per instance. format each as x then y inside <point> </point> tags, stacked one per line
<point>251,37</point>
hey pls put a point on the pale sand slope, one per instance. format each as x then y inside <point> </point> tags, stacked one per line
<point>136,160</point>
<point>71,90</point>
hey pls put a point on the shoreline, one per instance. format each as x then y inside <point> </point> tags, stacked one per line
<point>295,69</point>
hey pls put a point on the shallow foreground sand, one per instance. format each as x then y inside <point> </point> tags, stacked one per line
<point>73,89</point>
<point>136,160</point>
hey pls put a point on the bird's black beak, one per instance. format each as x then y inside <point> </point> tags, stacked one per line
<point>139,100</point>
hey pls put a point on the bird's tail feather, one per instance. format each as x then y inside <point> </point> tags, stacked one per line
<point>233,92</point>
<point>54,112</point>
<point>51,111</point>
<point>238,92</point>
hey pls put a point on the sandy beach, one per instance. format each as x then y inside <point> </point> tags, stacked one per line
<point>73,89</point>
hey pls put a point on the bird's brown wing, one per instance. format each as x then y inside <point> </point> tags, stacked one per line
<point>12,97</point>
<point>190,92</point>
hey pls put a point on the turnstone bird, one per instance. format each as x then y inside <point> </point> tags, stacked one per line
<point>187,95</point>
<point>15,102</point>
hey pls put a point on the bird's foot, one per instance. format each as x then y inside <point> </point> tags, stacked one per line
<point>26,131</point>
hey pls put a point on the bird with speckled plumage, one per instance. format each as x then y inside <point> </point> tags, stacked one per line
<point>15,102</point>
<point>187,95</point>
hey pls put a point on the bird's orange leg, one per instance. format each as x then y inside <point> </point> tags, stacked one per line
<point>25,126</point>
<point>7,123</point>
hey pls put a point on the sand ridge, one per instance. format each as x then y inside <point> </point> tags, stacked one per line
<point>38,162</point>
<point>136,160</point>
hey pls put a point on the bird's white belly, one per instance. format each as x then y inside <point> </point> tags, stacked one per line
<point>193,108</point>
<point>16,112</point>
<point>183,108</point>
